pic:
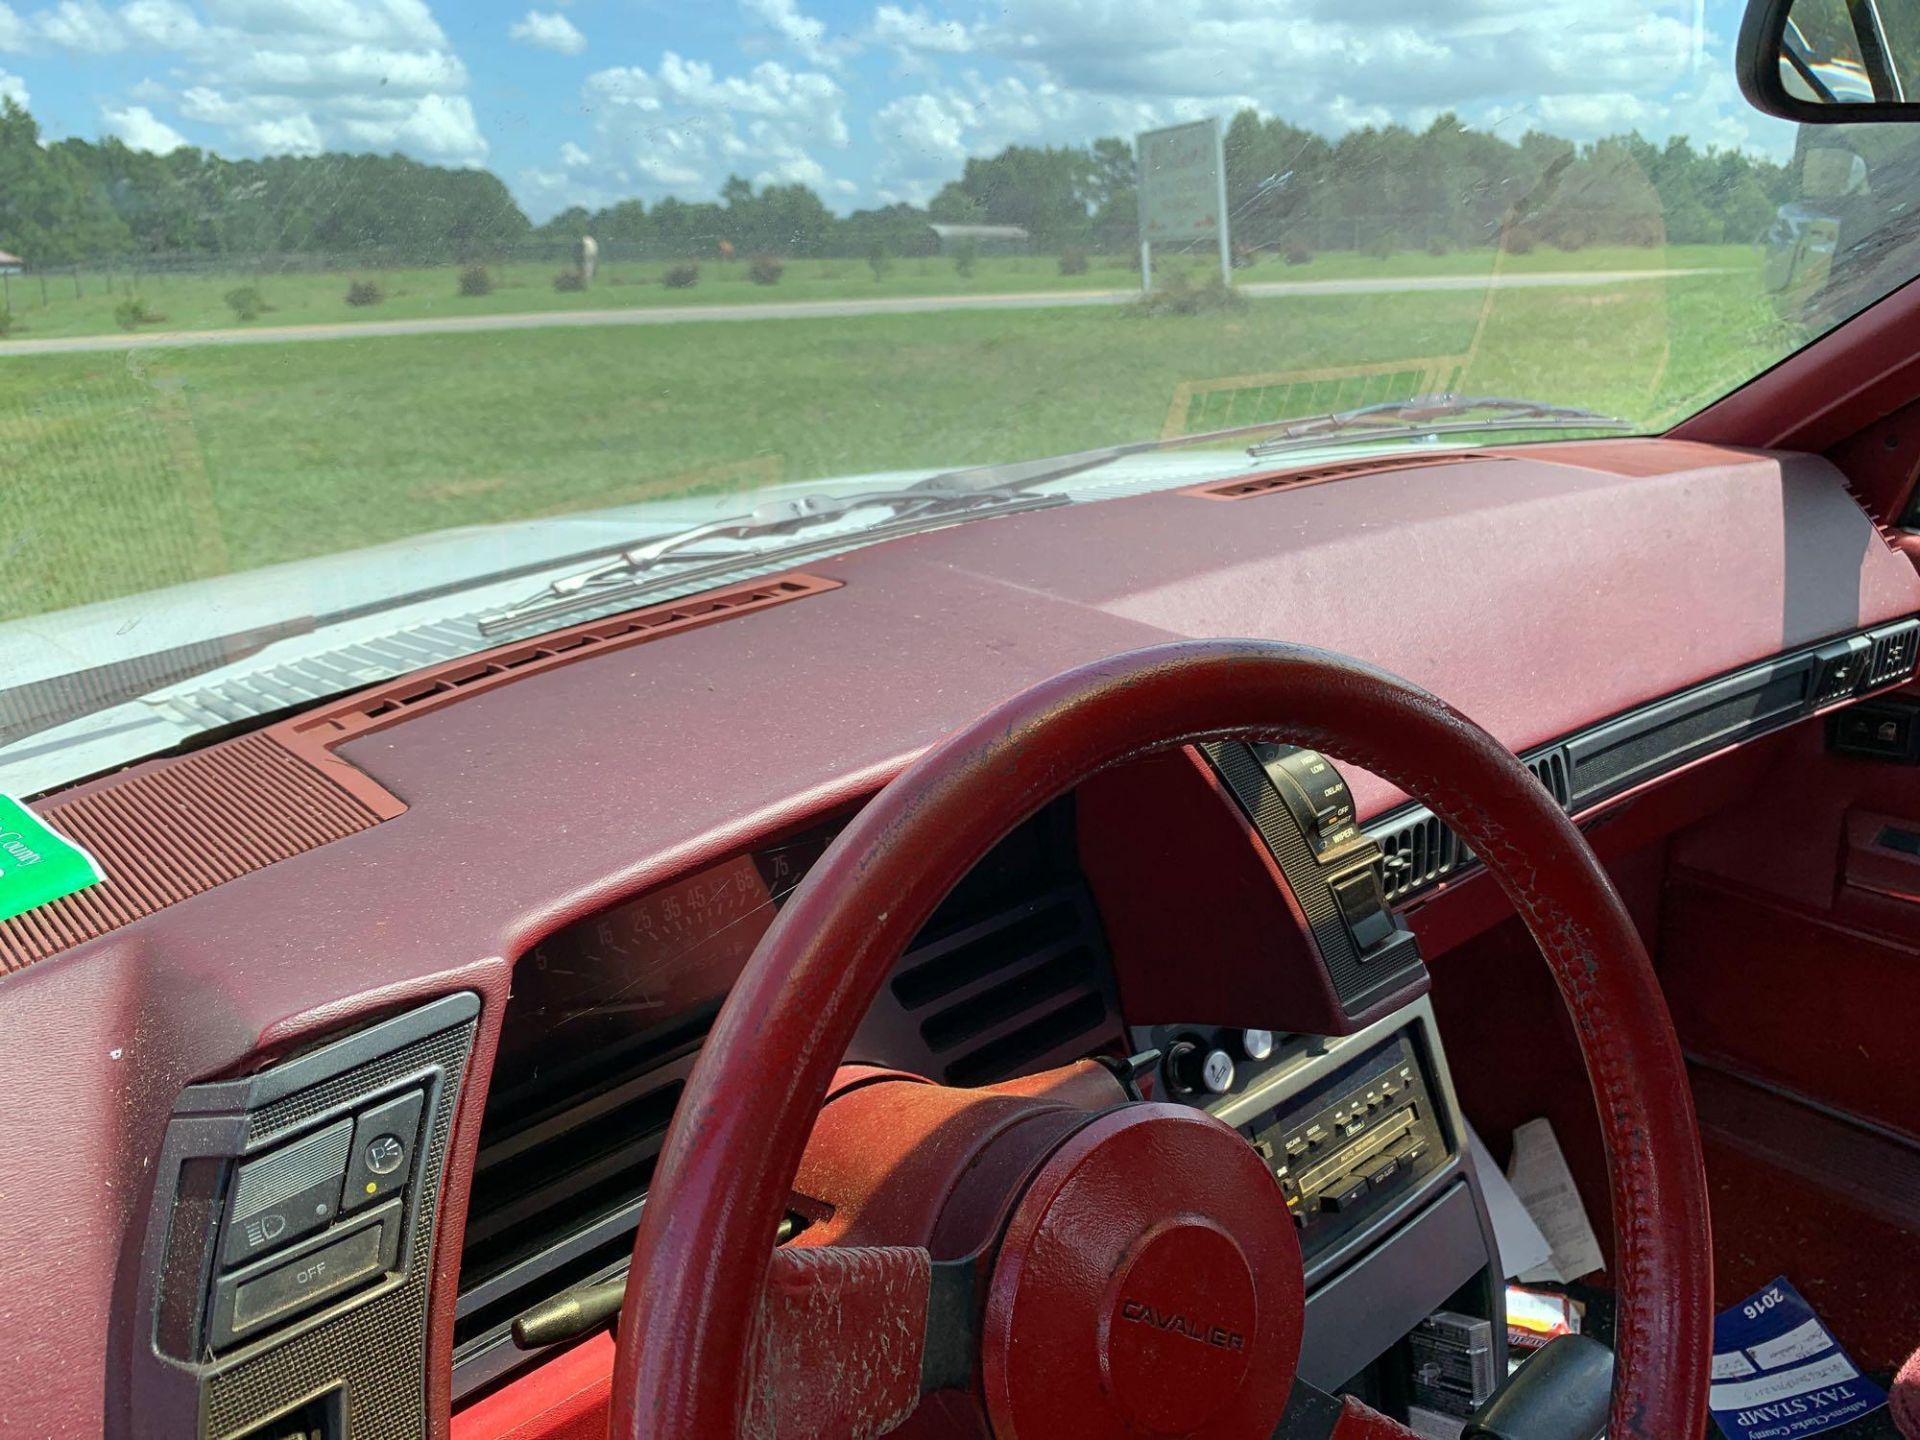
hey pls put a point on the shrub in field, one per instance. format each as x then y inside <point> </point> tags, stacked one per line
<point>1244,256</point>
<point>1074,262</point>
<point>570,280</point>
<point>1297,253</point>
<point>1178,295</point>
<point>1378,247</point>
<point>132,313</point>
<point>246,302</point>
<point>965,256</point>
<point>1568,239</point>
<point>681,277</point>
<point>475,280</point>
<point>1518,240</point>
<point>766,269</point>
<point>364,292</point>
<point>1438,245</point>
<point>878,260</point>
<point>6,323</point>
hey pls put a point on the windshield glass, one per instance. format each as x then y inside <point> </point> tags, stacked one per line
<point>321,323</point>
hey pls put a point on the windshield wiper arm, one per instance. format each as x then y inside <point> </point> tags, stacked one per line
<point>634,570</point>
<point>1432,415</point>
<point>1383,421</point>
<point>999,488</point>
<point>776,517</point>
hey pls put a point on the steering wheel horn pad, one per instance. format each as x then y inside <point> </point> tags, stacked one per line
<point>1149,1283</point>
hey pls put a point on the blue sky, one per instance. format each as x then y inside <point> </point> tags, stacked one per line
<point>868,101</point>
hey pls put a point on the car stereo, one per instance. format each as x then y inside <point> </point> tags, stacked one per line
<point>1342,1149</point>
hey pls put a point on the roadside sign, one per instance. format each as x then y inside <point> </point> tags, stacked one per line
<point>1183,190</point>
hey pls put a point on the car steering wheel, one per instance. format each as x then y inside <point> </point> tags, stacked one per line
<point>1088,1266</point>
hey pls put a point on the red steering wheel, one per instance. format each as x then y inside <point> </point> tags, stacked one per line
<point>1045,1259</point>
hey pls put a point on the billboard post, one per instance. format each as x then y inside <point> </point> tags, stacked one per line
<point>1183,191</point>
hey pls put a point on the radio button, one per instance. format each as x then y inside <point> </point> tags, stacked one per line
<point>1343,1193</point>
<point>1381,1172</point>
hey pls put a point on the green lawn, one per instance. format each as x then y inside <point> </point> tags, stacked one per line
<point>126,471</point>
<point>64,305</point>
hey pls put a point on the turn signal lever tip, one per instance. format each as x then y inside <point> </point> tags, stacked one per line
<point>569,1315</point>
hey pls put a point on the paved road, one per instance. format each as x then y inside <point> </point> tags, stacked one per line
<point>805,310</point>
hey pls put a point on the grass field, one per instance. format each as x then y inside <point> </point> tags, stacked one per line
<point>127,471</point>
<point>65,305</point>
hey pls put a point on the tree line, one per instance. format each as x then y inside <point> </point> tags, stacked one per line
<point>1288,188</point>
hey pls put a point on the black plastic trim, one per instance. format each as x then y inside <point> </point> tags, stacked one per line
<point>250,1092</point>
<point>1591,767</point>
<point>1362,981</point>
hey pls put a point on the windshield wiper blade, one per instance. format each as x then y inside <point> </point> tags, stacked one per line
<point>1383,421</point>
<point>999,488</point>
<point>1431,415</point>
<point>636,571</point>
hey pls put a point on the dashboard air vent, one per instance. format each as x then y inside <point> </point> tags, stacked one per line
<point>1895,649</point>
<point>1417,850</point>
<point>557,1189</point>
<point>327,726</point>
<point>1250,486</point>
<point>1415,854</point>
<point>168,831</point>
<point>1550,770</point>
<point>1017,992</point>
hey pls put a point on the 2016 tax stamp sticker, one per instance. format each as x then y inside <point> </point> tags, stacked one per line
<point>1778,1373</point>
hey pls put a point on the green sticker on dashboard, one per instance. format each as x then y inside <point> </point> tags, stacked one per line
<point>36,865</point>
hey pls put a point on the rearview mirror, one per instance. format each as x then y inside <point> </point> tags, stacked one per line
<point>1831,62</point>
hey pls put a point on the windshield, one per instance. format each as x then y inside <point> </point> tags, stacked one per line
<point>320,324</point>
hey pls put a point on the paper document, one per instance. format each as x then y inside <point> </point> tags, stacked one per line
<point>1522,1247</point>
<point>1540,1178</point>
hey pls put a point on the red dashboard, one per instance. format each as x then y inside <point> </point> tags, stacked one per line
<point>1540,591</point>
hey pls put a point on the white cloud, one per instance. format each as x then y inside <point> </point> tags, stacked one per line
<point>549,30</point>
<point>82,26</point>
<point>804,33</point>
<point>916,30</point>
<point>13,88</point>
<point>926,137</point>
<point>299,76</point>
<point>682,127</point>
<point>294,134</point>
<point>1065,71</point>
<point>141,129</point>
<point>162,24</point>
